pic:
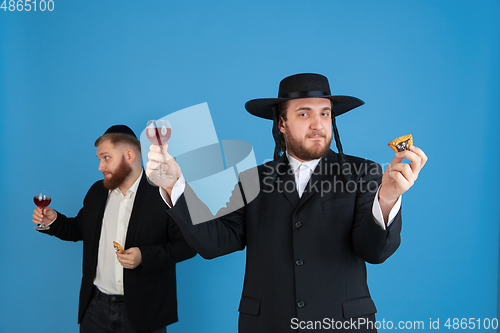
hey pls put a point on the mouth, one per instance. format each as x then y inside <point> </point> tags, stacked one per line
<point>106,174</point>
<point>316,137</point>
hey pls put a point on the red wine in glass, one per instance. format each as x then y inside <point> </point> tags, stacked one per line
<point>158,133</point>
<point>42,202</point>
<point>42,199</point>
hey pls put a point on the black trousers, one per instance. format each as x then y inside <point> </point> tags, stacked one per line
<point>107,314</point>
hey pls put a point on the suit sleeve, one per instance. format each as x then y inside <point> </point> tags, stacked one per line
<point>66,228</point>
<point>211,236</point>
<point>71,228</point>
<point>370,242</point>
<point>171,252</point>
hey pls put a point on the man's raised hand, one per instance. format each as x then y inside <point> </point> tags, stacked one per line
<point>399,177</point>
<point>169,165</point>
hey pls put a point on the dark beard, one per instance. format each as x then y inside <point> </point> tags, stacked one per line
<point>302,153</point>
<point>118,176</point>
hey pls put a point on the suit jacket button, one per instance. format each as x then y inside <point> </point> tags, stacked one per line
<point>298,224</point>
<point>299,262</point>
<point>301,304</point>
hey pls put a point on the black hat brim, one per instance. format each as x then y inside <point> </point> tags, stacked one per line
<point>263,107</point>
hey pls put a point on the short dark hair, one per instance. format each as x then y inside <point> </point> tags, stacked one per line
<point>117,138</point>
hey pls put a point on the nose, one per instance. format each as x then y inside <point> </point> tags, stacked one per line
<point>316,123</point>
<point>101,166</point>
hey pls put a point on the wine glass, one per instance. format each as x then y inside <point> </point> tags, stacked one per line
<point>158,133</point>
<point>42,199</point>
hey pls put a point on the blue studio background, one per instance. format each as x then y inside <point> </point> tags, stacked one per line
<point>430,68</point>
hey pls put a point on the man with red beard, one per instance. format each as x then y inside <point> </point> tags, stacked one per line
<point>131,291</point>
<point>307,244</point>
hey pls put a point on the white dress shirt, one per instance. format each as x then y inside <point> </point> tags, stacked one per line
<point>109,275</point>
<point>302,172</point>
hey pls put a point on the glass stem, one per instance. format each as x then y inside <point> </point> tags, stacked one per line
<point>160,167</point>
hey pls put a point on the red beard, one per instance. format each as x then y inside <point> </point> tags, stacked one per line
<point>118,176</point>
<point>308,154</point>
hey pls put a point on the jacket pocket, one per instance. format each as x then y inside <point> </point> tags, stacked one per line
<point>336,203</point>
<point>249,306</point>
<point>358,307</point>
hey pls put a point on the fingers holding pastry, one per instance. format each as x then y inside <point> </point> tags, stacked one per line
<point>118,247</point>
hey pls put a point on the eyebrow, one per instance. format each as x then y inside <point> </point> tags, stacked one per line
<point>103,153</point>
<point>306,108</point>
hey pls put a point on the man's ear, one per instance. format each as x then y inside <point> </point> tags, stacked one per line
<point>130,155</point>
<point>281,125</point>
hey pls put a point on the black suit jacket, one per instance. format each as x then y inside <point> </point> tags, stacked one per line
<point>305,257</point>
<point>150,288</point>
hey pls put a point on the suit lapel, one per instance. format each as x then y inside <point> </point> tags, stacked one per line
<point>136,212</point>
<point>285,181</point>
<point>102,199</point>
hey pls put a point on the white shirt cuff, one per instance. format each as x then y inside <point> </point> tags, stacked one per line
<point>377,211</point>
<point>177,191</point>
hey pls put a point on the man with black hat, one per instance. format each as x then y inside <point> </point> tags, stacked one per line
<point>133,290</point>
<point>307,244</point>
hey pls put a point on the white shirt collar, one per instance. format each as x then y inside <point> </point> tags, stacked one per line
<point>295,163</point>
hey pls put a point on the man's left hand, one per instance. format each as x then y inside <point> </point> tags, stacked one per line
<point>130,258</point>
<point>399,177</point>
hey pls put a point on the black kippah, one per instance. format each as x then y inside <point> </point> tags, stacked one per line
<point>120,129</point>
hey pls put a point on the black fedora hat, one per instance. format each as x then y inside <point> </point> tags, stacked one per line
<point>304,85</point>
